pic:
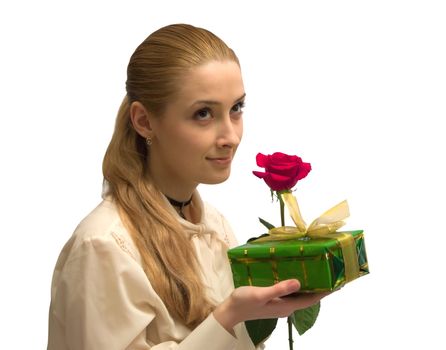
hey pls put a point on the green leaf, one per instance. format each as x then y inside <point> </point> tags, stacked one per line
<point>304,319</point>
<point>260,330</point>
<point>254,238</point>
<point>266,224</point>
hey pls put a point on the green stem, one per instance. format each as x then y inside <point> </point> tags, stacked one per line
<point>282,209</point>
<point>290,333</point>
<point>282,220</point>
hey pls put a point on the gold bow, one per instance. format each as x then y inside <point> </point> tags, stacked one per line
<point>325,226</point>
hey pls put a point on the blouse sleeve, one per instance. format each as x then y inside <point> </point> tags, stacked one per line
<point>231,240</point>
<point>103,300</point>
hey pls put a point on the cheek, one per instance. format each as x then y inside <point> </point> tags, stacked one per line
<point>173,147</point>
<point>240,130</point>
<point>191,146</point>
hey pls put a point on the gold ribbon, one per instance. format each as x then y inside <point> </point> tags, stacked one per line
<point>325,226</point>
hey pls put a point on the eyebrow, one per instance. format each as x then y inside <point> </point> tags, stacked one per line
<point>210,102</point>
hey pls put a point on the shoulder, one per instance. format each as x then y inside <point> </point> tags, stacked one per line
<point>102,227</point>
<point>99,222</point>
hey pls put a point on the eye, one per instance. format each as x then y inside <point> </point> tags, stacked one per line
<point>203,114</point>
<point>238,107</point>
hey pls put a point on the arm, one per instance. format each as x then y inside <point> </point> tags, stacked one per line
<point>252,303</point>
<point>103,300</point>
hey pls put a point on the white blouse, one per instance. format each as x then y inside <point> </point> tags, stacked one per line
<point>102,299</point>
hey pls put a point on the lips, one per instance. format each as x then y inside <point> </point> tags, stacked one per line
<point>220,160</point>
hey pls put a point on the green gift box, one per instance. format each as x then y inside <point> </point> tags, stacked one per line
<point>318,263</point>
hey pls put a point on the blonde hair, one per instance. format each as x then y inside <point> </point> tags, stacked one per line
<point>153,76</point>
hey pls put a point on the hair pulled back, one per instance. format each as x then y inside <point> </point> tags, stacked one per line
<point>154,73</point>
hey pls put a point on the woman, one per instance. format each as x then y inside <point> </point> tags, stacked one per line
<point>147,269</point>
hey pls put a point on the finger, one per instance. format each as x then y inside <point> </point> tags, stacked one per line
<point>281,289</point>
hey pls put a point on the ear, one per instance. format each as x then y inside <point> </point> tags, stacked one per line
<point>140,119</point>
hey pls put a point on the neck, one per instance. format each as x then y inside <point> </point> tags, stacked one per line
<point>179,204</point>
<point>171,185</point>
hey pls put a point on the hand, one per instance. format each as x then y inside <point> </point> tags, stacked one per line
<point>252,303</point>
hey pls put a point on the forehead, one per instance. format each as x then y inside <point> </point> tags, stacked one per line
<point>215,80</point>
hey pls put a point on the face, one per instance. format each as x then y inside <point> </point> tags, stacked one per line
<point>196,138</point>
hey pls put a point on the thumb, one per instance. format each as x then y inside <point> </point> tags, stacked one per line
<point>282,289</point>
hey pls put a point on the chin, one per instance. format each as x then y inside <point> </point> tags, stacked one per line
<point>215,179</point>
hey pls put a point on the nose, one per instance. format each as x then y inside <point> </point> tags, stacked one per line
<point>230,132</point>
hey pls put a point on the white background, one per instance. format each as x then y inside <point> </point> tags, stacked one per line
<point>357,88</point>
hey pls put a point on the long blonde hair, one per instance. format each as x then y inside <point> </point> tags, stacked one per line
<point>153,76</point>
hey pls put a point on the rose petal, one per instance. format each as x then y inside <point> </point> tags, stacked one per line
<point>261,160</point>
<point>303,170</point>
<point>282,157</point>
<point>278,183</point>
<point>259,174</point>
<point>283,169</point>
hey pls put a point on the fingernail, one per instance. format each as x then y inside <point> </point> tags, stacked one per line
<point>293,285</point>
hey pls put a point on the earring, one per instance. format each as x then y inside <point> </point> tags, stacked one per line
<point>148,141</point>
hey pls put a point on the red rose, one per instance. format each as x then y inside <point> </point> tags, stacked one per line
<point>282,171</point>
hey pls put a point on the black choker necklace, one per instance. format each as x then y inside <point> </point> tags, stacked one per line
<point>179,205</point>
